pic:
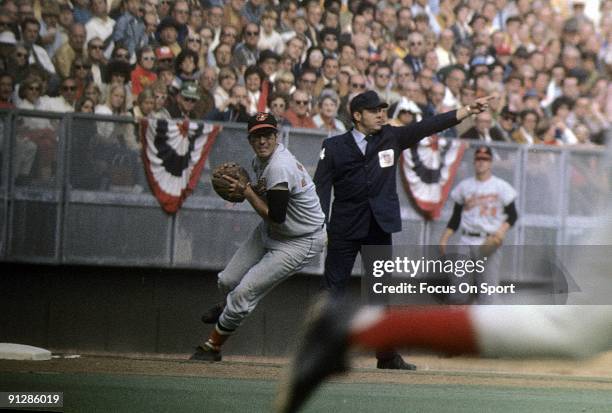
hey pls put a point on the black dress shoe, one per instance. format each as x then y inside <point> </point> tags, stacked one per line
<point>395,363</point>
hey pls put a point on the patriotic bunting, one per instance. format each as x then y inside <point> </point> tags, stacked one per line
<point>174,153</point>
<point>428,171</point>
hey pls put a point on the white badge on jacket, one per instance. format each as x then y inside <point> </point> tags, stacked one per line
<point>386,158</point>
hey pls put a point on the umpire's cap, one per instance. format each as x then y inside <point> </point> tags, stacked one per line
<point>262,122</point>
<point>367,100</point>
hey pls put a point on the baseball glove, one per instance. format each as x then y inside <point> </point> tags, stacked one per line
<point>489,246</point>
<point>223,187</point>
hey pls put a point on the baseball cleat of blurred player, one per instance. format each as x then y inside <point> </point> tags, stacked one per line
<point>322,353</point>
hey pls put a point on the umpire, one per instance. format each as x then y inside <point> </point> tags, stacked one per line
<point>360,167</point>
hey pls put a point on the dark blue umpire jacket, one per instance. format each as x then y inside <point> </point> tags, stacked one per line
<point>364,186</point>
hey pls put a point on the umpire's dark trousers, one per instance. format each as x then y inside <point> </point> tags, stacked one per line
<point>341,255</point>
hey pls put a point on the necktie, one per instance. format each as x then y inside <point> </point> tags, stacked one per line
<point>369,144</point>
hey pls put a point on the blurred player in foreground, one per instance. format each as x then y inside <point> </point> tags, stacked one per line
<point>487,331</point>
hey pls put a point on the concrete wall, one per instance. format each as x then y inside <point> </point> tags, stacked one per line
<point>80,309</point>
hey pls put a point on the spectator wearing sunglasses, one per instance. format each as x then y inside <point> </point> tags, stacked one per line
<point>95,52</point>
<point>69,51</point>
<point>416,52</point>
<point>298,113</point>
<point>185,102</point>
<point>100,25</point>
<point>143,74</point>
<point>65,101</point>
<point>81,72</point>
<point>246,53</point>
<point>130,29</point>
<point>382,84</point>
<point>357,84</point>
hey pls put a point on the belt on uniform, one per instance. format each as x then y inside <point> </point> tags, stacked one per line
<point>475,234</point>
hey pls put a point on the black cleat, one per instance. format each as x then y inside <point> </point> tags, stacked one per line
<point>395,363</point>
<point>322,352</point>
<point>212,315</point>
<point>204,353</point>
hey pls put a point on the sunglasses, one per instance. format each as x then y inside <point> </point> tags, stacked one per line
<point>301,102</point>
<point>80,67</point>
<point>358,85</point>
<point>69,88</point>
<point>416,43</point>
<point>193,39</point>
<point>190,100</point>
<point>252,33</point>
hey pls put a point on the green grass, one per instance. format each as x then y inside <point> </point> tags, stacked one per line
<point>133,393</point>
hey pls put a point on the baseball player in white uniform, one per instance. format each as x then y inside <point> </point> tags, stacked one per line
<point>484,211</point>
<point>290,235</point>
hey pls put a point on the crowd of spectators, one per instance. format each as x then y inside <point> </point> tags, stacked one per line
<point>548,61</point>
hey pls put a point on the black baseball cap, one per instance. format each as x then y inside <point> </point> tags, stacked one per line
<point>367,100</point>
<point>261,122</point>
<point>483,152</point>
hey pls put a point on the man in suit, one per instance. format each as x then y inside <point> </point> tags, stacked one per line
<point>360,166</point>
<point>484,129</point>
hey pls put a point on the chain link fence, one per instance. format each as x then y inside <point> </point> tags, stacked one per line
<point>73,191</point>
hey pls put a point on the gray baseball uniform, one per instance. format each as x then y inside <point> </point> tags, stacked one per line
<point>482,215</point>
<point>274,251</point>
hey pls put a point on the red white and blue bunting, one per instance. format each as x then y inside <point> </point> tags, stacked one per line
<point>174,153</point>
<point>428,171</point>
